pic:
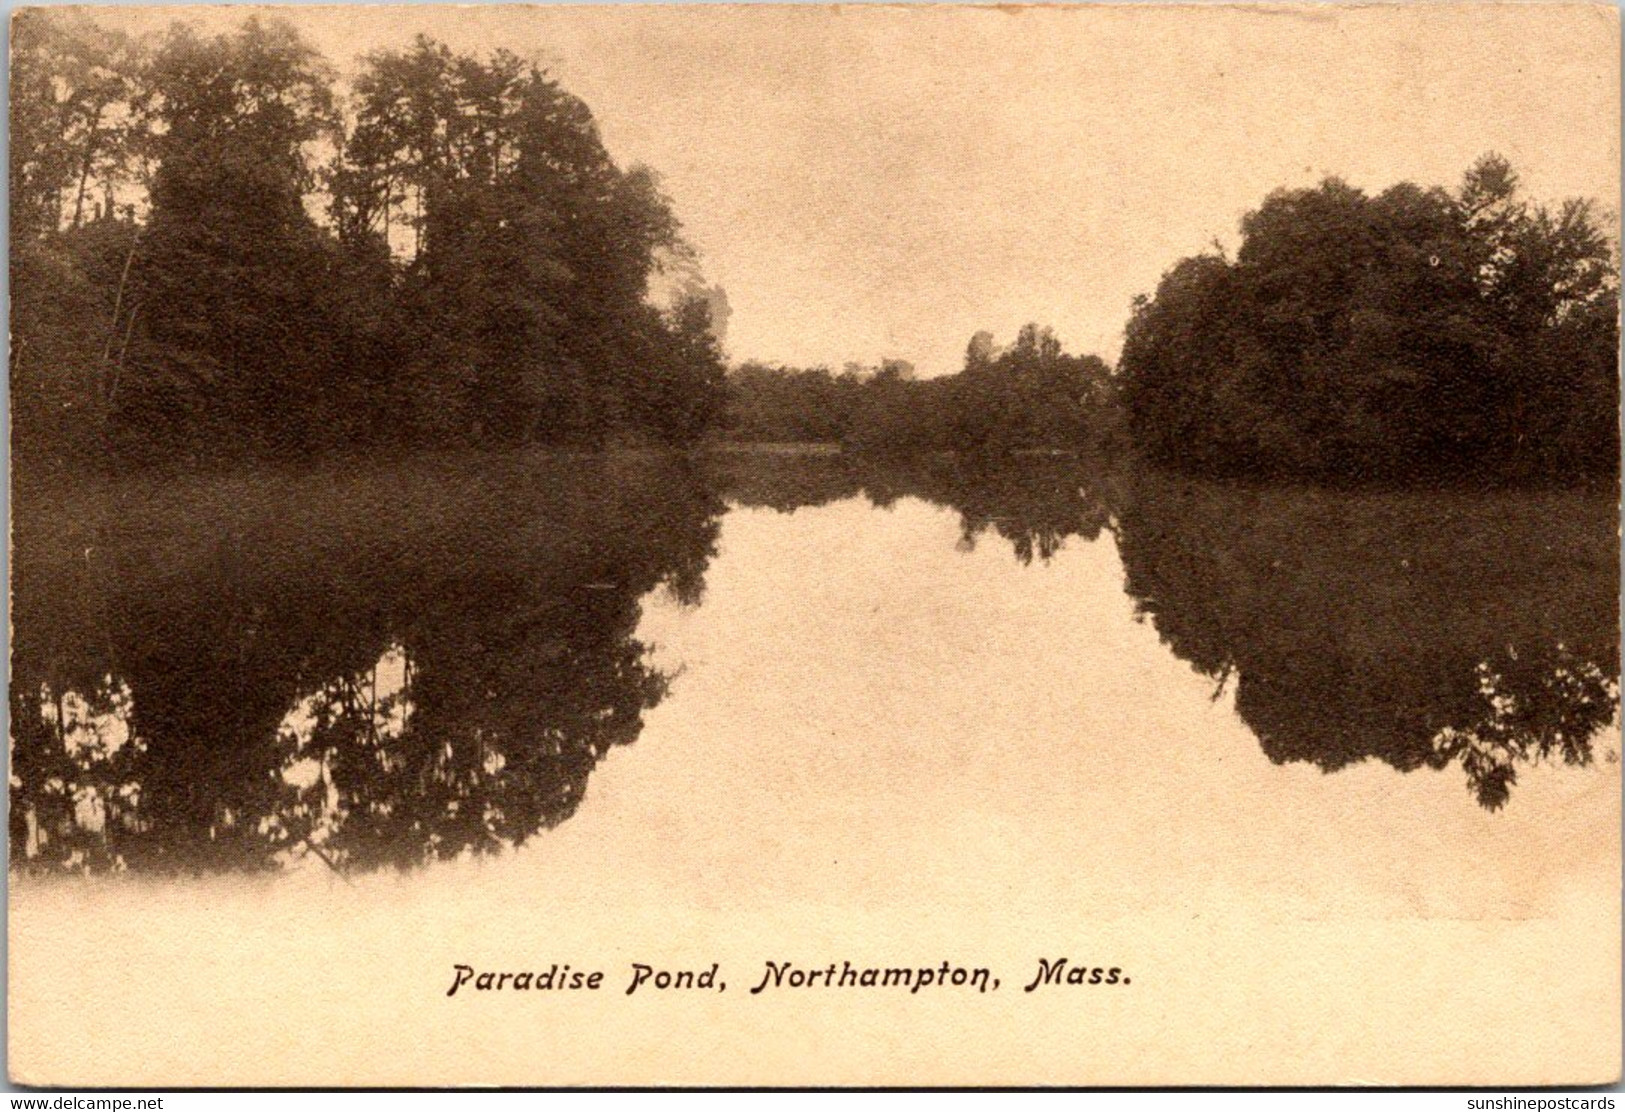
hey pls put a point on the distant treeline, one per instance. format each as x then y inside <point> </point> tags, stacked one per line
<point>1029,395</point>
<point>1418,334</point>
<point>216,255</point>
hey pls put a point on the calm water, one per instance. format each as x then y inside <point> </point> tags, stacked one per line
<point>359,670</point>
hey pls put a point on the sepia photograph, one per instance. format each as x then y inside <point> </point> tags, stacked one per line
<point>781,546</point>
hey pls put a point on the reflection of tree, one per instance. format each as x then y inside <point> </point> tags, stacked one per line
<point>1035,506</point>
<point>786,481</point>
<point>1033,502</point>
<point>75,751</point>
<point>376,671</point>
<point>1419,629</point>
<point>500,717</point>
<point>1532,709</point>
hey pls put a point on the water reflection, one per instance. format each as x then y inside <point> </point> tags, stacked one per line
<point>1034,503</point>
<point>383,669</point>
<point>1418,629</point>
<point>381,673</point>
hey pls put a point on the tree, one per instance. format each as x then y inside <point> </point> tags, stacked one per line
<point>74,121</point>
<point>526,252</point>
<point>233,276</point>
<point>1029,395</point>
<point>74,125</point>
<point>687,388</point>
<point>1414,334</point>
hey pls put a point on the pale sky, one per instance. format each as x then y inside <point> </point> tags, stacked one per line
<point>884,181</point>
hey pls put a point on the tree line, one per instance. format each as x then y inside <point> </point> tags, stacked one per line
<point>1419,335</point>
<point>222,251</point>
<point>1031,394</point>
<point>218,252</point>
<point>1415,335</point>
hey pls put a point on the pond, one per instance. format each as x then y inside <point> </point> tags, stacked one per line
<point>389,666</point>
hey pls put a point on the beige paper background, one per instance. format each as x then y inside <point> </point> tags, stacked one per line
<point>1327,951</point>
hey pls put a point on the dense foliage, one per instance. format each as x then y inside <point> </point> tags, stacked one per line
<point>1029,395</point>
<point>441,252</point>
<point>1418,333</point>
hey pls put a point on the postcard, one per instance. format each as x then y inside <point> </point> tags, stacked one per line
<point>847,545</point>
